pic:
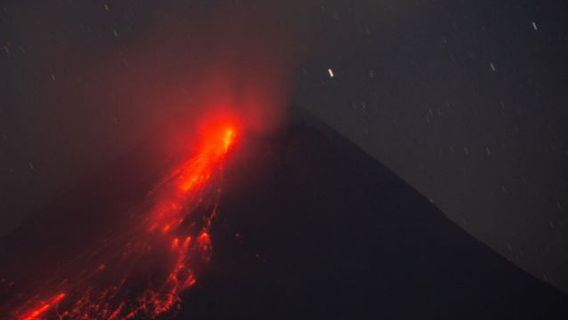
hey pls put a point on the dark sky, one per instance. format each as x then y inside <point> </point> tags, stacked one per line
<point>463,99</point>
<point>466,101</point>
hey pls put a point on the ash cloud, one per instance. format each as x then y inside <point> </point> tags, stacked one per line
<point>96,79</point>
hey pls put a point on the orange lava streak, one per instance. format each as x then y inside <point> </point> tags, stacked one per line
<point>194,175</point>
<point>197,171</point>
<point>42,309</point>
<point>181,248</point>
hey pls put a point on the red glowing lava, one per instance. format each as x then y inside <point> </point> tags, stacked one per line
<point>172,234</point>
<point>38,312</point>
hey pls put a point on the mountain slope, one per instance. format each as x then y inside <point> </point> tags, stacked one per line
<point>308,226</point>
<point>313,227</point>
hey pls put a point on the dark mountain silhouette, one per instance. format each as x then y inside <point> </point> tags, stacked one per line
<point>309,226</point>
<point>312,227</point>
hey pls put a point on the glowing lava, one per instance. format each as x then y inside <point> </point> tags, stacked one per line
<point>141,274</point>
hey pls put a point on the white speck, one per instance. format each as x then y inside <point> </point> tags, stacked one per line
<point>466,151</point>
<point>115,33</point>
<point>492,66</point>
<point>107,8</point>
<point>429,115</point>
<point>52,76</point>
<point>535,27</point>
<point>372,74</point>
<point>488,151</point>
<point>363,107</point>
<point>31,165</point>
<point>331,74</point>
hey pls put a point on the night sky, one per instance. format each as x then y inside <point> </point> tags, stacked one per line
<point>463,99</point>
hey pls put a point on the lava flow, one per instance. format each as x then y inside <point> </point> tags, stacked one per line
<point>140,274</point>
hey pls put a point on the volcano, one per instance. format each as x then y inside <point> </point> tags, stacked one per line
<point>306,226</point>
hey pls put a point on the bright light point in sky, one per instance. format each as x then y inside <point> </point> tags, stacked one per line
<point>331,74</point>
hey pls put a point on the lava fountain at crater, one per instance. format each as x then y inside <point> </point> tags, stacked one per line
<point>140,273</point>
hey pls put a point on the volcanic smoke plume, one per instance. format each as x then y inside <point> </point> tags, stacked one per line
<point>195,83</point>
